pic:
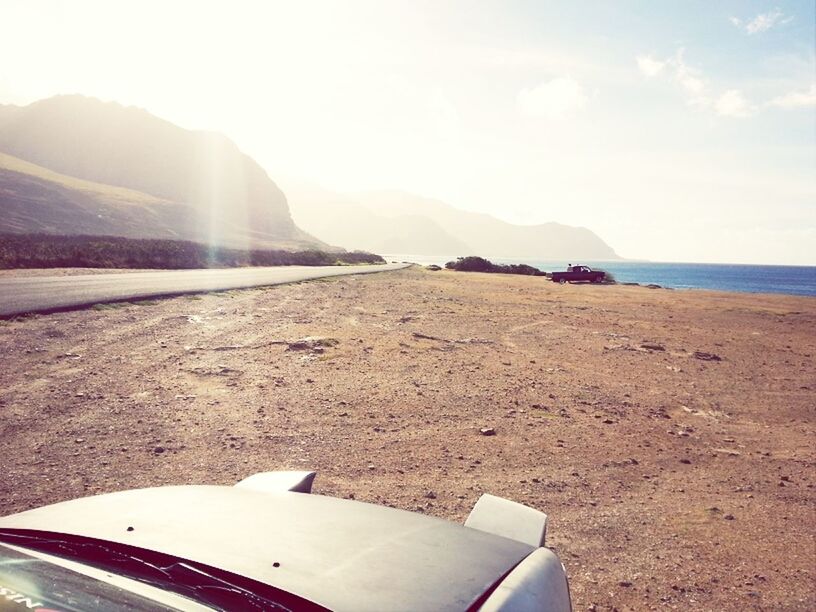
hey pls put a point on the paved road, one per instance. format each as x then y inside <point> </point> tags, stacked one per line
<point>48,293</point>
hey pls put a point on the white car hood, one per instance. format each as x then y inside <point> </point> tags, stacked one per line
<point>341,554</point>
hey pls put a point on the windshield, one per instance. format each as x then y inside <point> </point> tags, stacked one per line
<point>31,582</point>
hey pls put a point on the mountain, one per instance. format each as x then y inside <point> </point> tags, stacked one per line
<point>492,237</point>
<point>34,199</point>
<point>341,220</point>
<point>102,168</point>
<point>406,223</point>
<point>76,165</point>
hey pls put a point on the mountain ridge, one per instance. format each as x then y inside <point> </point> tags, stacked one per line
<point>494,237</point>
<point>227,199</point>
<point>459,231</point>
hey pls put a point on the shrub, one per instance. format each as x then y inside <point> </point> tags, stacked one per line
<point>470,264</point>
<point>480,264</point>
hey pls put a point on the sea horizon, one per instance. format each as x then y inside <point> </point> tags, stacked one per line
<point>781,279</point>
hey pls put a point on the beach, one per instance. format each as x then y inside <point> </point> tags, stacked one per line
<point>669,435</point>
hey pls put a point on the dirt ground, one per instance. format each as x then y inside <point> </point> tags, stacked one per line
<point>669,435</point>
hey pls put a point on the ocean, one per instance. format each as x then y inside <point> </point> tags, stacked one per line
<point>789,280</point>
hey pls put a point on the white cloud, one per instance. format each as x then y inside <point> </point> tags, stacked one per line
<point>650,66</point>
<point>762,22</point>
<point>555,99</point>
<point>733,104</point>
<point>699,94</point>
<point>796,99</point>
<point>689,78</point>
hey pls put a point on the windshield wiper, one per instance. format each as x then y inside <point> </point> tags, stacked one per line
<point>208,585</point>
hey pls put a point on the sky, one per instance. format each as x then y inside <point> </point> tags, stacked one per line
<point>677,131</point>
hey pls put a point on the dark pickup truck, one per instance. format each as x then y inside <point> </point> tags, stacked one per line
<point>578,273</point>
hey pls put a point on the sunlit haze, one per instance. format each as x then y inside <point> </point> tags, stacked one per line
<point>677,131</point>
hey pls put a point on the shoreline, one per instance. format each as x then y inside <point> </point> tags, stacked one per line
<point>763,278</point>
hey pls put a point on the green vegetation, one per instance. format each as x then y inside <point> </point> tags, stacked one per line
<point>44,251</point>
<point>480,264</point>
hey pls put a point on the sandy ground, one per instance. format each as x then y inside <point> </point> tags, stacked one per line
<point>672,480</point>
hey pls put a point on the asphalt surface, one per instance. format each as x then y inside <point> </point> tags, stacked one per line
<point>52,293</point>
